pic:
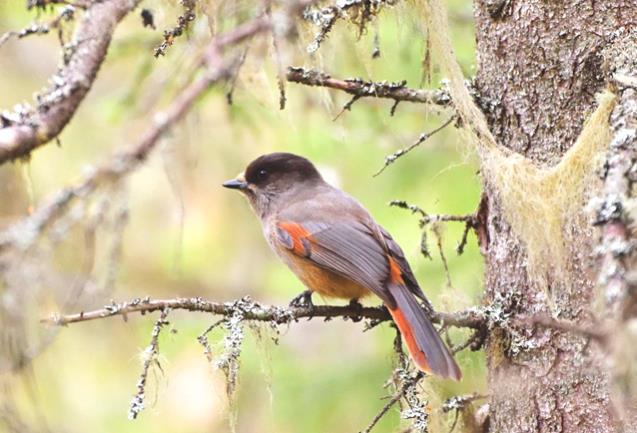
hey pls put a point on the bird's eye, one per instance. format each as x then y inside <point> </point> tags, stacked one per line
<point>263,174</point>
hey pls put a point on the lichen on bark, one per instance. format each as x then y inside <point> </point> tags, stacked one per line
<point>540,66</point>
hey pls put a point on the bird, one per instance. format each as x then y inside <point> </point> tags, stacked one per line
<point>334,246</point>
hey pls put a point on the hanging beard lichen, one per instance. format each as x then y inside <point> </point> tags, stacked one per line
<point>544,205</point>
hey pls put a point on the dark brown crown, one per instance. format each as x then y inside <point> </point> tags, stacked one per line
<point>274,166</point>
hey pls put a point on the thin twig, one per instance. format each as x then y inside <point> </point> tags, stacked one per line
<point>471,221</point>
<point>459,403</point>
<point>235,76</point>
<point>149,356</point>
<point>436,231</point>
<point>325,18</point>
<point>412,207</point>
<point>397,396</point>
<point>348,106</point>
<point>183,21</point>
<point>390,159</point>
<point>280,70</point>
<point>66,14</point>
<point>402,365</point>
<point>203,339</point>
<point>474,342</point>
<point>455,421</point>
<point>465,234</point>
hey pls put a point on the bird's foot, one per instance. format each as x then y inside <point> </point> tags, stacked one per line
<point>358,308</point>
<point>304,299</point>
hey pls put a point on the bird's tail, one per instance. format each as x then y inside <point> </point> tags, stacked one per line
<point>425,346</point>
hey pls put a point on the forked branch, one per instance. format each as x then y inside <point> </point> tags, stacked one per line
<point>216,68</point>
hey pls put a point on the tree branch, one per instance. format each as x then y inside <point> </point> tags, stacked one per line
<point>21,132</point>
<point>150,356</point>
<point>359,12</point>
<point>406,385</point>
<point>35,28</point>
<point>25,231</point>
<point>471,221</point>
<point>363,89</point>
<point>251,310</point>
<point>390,159</point>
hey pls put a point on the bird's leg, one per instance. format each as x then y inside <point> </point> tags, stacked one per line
<point>358,307</point>
<point>304,299</point>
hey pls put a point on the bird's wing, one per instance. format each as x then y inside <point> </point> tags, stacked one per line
<point>366,254</point>
<point>397,254</point>
<point>349,249</point>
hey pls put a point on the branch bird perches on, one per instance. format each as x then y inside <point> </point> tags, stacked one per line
<point>251,310</point>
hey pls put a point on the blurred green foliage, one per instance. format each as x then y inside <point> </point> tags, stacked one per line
<point>187,236</point>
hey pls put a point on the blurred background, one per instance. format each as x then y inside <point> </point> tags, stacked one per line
<point>170,230</point>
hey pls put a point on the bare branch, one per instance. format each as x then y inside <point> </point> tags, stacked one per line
<point>436,229</point>
<point>66,14</point>
<point>459,403</point>
<point>251,310</point>
<point>407,384</point>
<point>390,159</point>
<point>22,132</point>
<point>471,221</point>
<point>183,21</point>
<point>369,89</point>
<point>347,106</point>
<point>475,342</point>
<point>361,12</point>
<point>412,207</point>
<point>235,76</point>
<point>236,312</point>
<point>149,357</point>
<point>25,231</point>
<point>359,88</point>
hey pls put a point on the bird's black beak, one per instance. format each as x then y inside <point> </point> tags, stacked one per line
<point>235,184</point>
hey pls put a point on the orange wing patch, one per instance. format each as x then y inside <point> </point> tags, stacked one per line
<point>395,274</point>
<point>298,236</point>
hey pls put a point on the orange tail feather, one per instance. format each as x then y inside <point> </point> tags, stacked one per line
<point>406,332</point>
<point>425,346</point>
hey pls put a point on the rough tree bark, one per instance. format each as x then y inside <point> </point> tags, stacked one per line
<point>539,66</point>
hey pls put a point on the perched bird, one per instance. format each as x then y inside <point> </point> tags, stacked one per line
<point>336,248</point>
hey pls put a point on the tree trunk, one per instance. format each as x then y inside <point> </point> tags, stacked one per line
<point>539,66</point>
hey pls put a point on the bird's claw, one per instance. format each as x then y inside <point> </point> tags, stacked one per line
<point>304,299</point>
<point>358,308</point>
